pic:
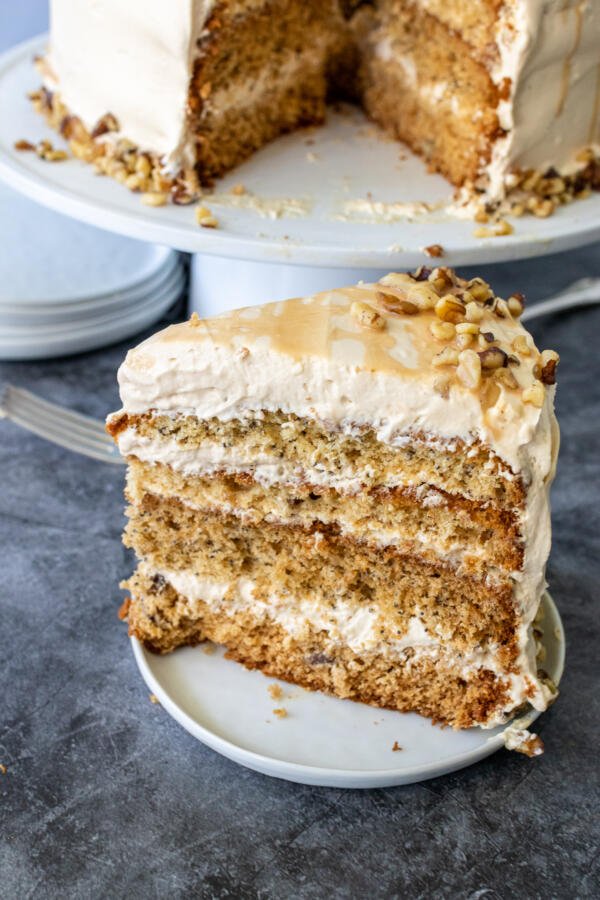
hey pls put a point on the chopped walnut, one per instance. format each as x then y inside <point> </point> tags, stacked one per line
<point>516,305</point>
<point>365,316</point>
<point>449,309</point>
<point>442,331</point>
<point>469,369</point>
<point>479,290</point>
<point>506,377</point>
<point>106,124</point>
<point>493,358</point>
<point>534,394</point>
<point>24,145</point>
<point>523,741</point>
<point>549,360</point>
<point>396,305</point>
<point>434,250</point>
<point>154,198</point>
<point>474,312</point>
<point>464,340</point>
<point>205,218</point>
<point>446,357</point>
<point>521,345</point>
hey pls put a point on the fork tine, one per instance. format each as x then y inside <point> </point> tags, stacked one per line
<point>96,451</point>
<point>20,395</point>
<point>45,414</point>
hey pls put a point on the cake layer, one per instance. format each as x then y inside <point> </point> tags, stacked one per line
<point>328,567</point>
<point>476,22</point>
<point>276,446</point>
<point>428,680</point>
<point>421,83</point>
<point>246,92</point>
<point>422,522</point>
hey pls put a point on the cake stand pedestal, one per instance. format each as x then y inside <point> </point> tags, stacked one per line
<point>321,207</point>
<point>218,285</point>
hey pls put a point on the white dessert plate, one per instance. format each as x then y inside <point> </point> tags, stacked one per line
<point>46,341</point>
<point>322,740</point>
<point>44,312</point>
<point>324,171</point>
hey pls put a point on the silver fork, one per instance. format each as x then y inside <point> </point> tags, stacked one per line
<point>72,430</point>
<point>87,436</point>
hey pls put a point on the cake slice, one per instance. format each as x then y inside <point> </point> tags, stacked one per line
<point>350,492</point>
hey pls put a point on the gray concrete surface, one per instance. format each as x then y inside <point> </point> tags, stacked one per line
<point>106,796</point>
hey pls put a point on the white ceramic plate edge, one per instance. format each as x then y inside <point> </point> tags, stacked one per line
<point>330,777</point>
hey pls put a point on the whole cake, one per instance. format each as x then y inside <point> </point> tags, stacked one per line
<point>498,95</point>
<point>349,491</point>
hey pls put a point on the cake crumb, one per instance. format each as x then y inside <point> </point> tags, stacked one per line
<point>238,189</point>
<point>434,250</point>
<point>154,699</point>
<point>311,157</point>
<point>396,747</point>
<point>523,741</point>
<point>499,229</point>
<point>3,769</point>
<point>195,319</point>
<point>275,691</point>
<point>124,608</point>
<point>23,145</point>
<point>208,648</point>
<point>280,712</point>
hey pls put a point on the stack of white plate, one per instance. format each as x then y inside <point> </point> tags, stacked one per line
<point>67,287</point>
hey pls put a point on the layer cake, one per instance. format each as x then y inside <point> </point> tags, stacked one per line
<point>500,96</point>
<point>349,491</point>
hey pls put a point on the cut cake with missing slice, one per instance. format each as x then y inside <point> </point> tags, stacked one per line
<point>350,492</point>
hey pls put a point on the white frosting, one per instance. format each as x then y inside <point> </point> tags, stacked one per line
<point>354,626</point>
<point>196,371</point>
<point>132,58</point>
<point>550,51</point>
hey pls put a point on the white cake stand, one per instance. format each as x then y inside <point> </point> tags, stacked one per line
<point>309,221</point>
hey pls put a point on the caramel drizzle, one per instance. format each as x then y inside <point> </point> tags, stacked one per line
<point>301,329</point>
<point>596,110</point>
<point>568,63</point>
